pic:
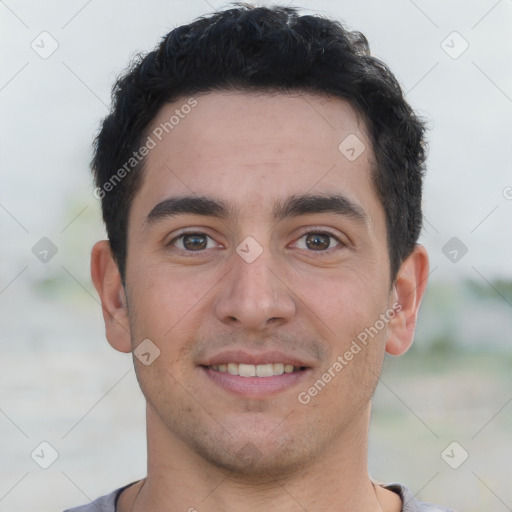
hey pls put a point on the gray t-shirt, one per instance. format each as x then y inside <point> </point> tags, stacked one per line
<point>108,503</point>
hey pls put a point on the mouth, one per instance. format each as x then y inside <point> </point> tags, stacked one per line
<point>256,370</point>
<point>254,376</point>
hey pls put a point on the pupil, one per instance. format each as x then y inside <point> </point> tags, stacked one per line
<point>318,241</point>
<point>194,242</point>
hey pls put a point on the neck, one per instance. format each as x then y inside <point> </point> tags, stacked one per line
<point>179,479</point>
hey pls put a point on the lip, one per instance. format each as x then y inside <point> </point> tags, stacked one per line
<point>244,357</point>
<point>255,387</point>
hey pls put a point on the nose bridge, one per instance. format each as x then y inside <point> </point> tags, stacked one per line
<point>253,295</point>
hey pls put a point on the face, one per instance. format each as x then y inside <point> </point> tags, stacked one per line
<point>257,255</point>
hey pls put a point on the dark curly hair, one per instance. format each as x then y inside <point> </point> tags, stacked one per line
<point>249,48</point>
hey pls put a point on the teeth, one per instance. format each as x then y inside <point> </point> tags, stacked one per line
<point>255,370</point>
<point>247,370</point>
<point>264,370</point>
<point>278,368</point>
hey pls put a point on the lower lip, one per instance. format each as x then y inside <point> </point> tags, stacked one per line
<point>255,386</point>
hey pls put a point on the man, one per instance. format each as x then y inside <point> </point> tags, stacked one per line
<point>260,176</point>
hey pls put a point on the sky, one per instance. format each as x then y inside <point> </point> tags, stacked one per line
<point>453,60</point>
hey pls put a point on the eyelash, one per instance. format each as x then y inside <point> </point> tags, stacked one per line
<point>339,245</point>
<point>329,250</point>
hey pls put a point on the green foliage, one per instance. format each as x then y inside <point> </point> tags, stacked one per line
<point>498,289</point>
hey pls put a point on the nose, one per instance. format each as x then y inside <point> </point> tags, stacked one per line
<point>253,296</point>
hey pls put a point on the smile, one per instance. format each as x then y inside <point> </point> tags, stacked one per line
<point>255,370</point>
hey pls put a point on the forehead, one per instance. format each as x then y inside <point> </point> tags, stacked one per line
<point>253,149</point>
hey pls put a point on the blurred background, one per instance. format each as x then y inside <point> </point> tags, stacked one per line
<point>442,420</point>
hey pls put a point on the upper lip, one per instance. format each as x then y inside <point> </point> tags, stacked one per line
<point>244,357</point>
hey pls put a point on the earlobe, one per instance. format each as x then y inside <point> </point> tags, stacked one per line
<point>107,281</point>
<point>408,291</point>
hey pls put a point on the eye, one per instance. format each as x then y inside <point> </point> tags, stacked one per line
<point>193,242</point>
<point>318,241</point>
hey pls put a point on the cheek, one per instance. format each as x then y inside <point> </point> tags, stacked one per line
<point>163,299</point>
<point>346,309</point>
<point>341,303</point>
<point>346,383</point>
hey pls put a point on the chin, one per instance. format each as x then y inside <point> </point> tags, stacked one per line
<point>250,463</point>
<point>256,458</point>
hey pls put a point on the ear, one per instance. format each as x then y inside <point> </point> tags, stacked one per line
<point>407,293</point>
<point>107,281</point>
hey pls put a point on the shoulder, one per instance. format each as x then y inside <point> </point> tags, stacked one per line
<point>105,503</point>
<point>410,504</point>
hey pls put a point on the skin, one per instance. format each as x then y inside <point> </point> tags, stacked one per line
<point>253,151</point>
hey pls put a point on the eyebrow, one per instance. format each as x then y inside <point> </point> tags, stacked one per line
<point>308,204</point>
<point>189,205</point>
<point>293,206</point>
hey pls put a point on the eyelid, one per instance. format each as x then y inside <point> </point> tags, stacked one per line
<point>190,231</point>
<point>311,230</point>
<point>199,230</point>
<point>308,231</point>
<point>321,230</point>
